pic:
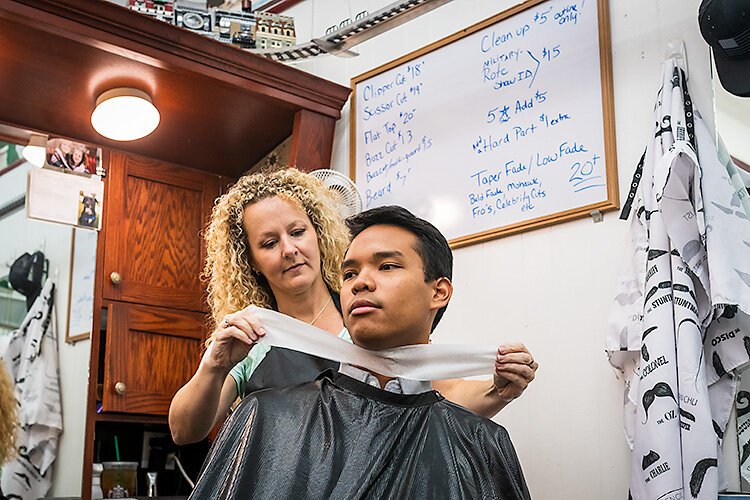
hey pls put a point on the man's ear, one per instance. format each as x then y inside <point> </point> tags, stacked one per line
<point>442,292</point>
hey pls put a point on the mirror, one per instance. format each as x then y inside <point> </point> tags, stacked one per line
<point>70,259</point>
<point>733,125</point>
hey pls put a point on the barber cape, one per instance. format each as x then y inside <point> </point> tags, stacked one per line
<point>680,324</point>
<point>340,438</point>
<point>31,360</point>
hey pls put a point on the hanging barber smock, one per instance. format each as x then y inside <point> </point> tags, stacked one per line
<point>31,360</point>
<point>680,323</point>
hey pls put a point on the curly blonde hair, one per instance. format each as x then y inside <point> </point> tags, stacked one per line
<point>231,283</point>
<point>8,416</point>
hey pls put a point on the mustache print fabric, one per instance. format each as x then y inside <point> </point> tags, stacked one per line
<point>687,415</point>
<point>745,453</point>
<point>686,227</point>
<point>649,330</point>
<point>737,213</point>
<point>649,460</point>
<point>717,430</point>
<point>743,276</point>
<point>660,390</point>
<point>729,312</point>
<point>625,299</point>
<point>699,473</point>
<point>691,249</point>
<point>726,210</point>
<point>655,254</point>
<point>743,403</point>
<point>682,288</point>
<point>654,289</point>
<point>718,366</point>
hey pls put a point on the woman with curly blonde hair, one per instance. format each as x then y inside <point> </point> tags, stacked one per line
<point>233,283</point>
<point>276,241</point>
<point>8,416</point>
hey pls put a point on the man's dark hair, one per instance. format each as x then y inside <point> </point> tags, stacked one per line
<point>432,246</point>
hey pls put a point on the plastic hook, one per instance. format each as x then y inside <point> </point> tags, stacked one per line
<point>676,50</point>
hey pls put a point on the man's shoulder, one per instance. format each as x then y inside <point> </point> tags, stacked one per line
<point>471,420</point>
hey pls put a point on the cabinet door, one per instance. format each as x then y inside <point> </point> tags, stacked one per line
<point>155,214</point>
<point>150,353</point>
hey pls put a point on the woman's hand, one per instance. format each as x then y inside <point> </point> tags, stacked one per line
<point>232,340</point>
<point>515,368</point>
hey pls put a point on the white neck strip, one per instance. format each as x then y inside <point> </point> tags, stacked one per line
<point>415,362</point>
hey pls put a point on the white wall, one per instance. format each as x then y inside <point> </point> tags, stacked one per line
<point>550,288</point>
<point>18,235</point>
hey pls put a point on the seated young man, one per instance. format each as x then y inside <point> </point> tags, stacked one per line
<point>356,434</point>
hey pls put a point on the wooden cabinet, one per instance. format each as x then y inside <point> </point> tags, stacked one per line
<point>155,215</point>
<point>148,299</point>
<point>149,354</point>
<point>152,257</point>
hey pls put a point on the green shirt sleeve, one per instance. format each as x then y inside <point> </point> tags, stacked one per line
<point>243,370</point>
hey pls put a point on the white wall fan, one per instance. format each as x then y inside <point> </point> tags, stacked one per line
<point>345,191</point>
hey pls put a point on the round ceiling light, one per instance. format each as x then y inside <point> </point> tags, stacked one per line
<point>124,114</point>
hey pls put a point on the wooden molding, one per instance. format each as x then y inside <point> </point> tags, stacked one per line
<point>312,141</point>
<point>222,108</point>
<point>119,30</point>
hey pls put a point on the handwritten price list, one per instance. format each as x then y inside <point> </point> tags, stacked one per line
<point>500,126</point>
<point>391,141</point>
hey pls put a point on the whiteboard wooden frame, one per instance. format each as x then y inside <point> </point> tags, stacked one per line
<point>605,64</point>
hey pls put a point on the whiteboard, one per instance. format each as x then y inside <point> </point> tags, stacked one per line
<point>503,127</point>
<point>81,292</point>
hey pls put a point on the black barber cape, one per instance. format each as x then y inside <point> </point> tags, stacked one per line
<point>286,367</point>
<point>340,438</point>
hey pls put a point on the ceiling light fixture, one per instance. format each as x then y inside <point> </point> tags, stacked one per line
<point>35,152</point>
<point>124,114</point>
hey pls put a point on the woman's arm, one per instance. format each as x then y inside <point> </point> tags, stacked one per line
<point>201,403</point>
<point>190,415</point>
<point>514,370</point>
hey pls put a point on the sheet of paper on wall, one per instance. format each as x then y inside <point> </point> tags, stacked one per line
<point>55,196</point>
